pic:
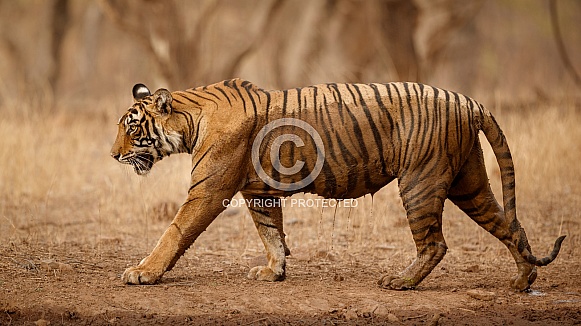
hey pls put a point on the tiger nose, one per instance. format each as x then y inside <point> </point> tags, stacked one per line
<point>116,156</point>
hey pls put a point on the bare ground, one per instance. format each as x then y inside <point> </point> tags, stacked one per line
<point>77,281</point>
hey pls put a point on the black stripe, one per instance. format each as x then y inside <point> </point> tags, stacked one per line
<point>376,135</point>
<point>469,196</point>
<point>382,106</point>
<point>175,99</point>
<point>195,140</point>
<point>418,219</point>
<point>255,120</point>
<point>188,98</point>
<point>490,219</point>
<point>458,121</point>
<point>431,228</point>
<point>436,128</point>
<point>208,91</point>
<point>272,226</point>
<point>357,129</point>
<point>426,134</point>
<point>388,87</point>
<point>403,121</point>
<point>508,186</point>
<point>510,205</point>
<point>352,178</point>
<point>198,183</point>
<point>201,158</point>
<point>476,211</point>
<point>339,99</point>
<point>422,200</point>
<point>446,130</point>
<point>189,123</point>
<point>284,102</point>
<point>194,93</point>
<point>267,109</point>
<point>298,90</point>
<point>259,210</point>
<point>330,180</point>
<point>225,94</point>
<point>241,97</point>
<point>504,156</point>
<point>315,105</point>
<point>408,160</point>
<point>414,178</point>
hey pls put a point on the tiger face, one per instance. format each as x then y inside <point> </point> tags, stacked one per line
<point>143,136</point>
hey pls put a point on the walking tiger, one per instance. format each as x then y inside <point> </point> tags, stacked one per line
<point>365,136</point>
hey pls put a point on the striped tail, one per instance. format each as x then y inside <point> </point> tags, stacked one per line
<point>499,145</point>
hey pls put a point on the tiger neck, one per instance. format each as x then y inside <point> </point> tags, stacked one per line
<point>192,131</point>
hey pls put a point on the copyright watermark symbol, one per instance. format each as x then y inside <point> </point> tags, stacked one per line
<point>275,154</point>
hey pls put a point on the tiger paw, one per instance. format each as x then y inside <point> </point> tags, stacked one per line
<point>522,282</point>
<point>264,273</point>
<point>140,275</point>
<point>395,283</point>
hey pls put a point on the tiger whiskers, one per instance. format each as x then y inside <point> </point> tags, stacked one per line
<point>141,163</point>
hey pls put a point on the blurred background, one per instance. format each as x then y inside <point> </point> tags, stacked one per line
<point>67,68</point>
<point>67,52</point>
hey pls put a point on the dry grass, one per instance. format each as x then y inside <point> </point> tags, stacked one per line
<point>59,185</point>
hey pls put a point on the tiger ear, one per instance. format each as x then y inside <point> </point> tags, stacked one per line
<point>162,101</point>
<point>140,92</point>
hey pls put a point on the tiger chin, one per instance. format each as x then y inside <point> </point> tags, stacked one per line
<point>367,136</point>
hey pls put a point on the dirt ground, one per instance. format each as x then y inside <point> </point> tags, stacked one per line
<point>78,282</point>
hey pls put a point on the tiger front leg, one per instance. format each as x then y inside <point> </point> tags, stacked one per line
<point>201,208</point>
<point>268,222</point>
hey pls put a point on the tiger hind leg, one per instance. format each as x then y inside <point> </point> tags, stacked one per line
<point>268,222</point>
<point>471,192</point>
<point>423,199</point>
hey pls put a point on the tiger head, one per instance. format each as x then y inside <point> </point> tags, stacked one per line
<point>145,135</point>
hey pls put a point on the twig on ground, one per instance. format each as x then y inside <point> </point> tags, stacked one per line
<point>415,317</point>
<point>256,321</point>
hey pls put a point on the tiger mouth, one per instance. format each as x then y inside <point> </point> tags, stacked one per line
<point>141,163</point>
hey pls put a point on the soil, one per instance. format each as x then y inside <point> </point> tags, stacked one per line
<point>78,282</point>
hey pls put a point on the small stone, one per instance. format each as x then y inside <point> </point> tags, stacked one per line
<point>51,265</point>
<point>42,322</point>
<point>350,314</point>
<point>481,295</point>
<point>65,267</point>
<point>382,311</point>
<point>392,318</point>
<point>472,269</point>
<point>319,304</point>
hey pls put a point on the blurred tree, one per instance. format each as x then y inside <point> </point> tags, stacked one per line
<point>60,21</point>
<point>180,56</point>
<point>561,44</point>
<point>440,21</point>
<point>85,48</point>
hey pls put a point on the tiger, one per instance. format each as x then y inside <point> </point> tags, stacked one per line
<point>358,137</point>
